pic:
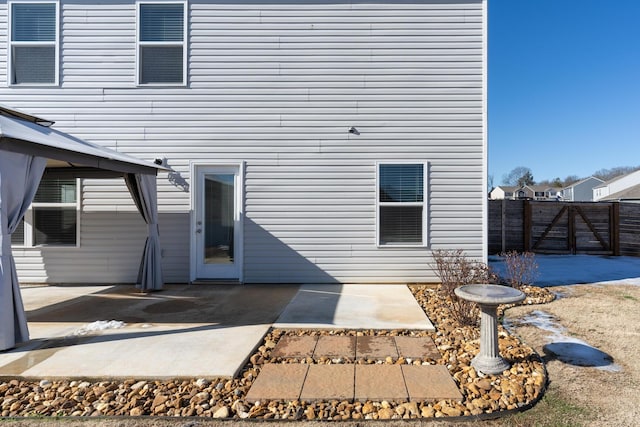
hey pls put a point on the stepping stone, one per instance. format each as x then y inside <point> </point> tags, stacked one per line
<point>430,382</point>
<point>297,347</point>
<point>376,347</point>
<point>278,382</point>
<point>334,347</point>
<point>417,348</point>
<point>379,382</point>
<point>329,382</point>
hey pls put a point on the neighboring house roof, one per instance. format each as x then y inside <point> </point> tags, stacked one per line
<point>543,188</point>
<point>631,193</point>
<point>612,180</point>
<point>584,180</point>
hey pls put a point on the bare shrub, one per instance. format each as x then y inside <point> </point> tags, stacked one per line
<point>521,268</point>
<point>454,269</point>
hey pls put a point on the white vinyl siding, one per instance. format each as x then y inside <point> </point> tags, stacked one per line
<point>161,43</point>
<point>277,85</point>
<point>33,38</point>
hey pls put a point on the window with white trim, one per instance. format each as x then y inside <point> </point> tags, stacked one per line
<point>401,204</point>
<point>33,43</point>
<point>52,218</point>
<point>161,43</point>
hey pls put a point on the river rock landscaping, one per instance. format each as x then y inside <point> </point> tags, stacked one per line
<point>521,386</point>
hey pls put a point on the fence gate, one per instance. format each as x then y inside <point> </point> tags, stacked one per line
<point>570,228</point>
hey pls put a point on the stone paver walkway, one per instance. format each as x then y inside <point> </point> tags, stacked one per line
<point>350,381</point>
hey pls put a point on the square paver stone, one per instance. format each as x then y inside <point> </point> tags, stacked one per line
<point>430,382</point>
<point>328,382</point>
<point>290,346</point>
<point>379,382</point>
<point>417,348</point>
<point>376,347</point>
<point>278,382</point>
<point>331,346</point>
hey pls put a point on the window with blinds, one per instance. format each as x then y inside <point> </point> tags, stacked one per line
<point>33,43</point>
<point>161,43</point>
<point>52,218</point>
<point>401,204</point>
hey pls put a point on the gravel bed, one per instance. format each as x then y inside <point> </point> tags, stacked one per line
<point>224,398</point>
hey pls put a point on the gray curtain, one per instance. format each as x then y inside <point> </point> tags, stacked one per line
<point>20,176</point>
<point>143,189</point>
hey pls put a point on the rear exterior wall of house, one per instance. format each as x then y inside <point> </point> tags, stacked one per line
<point>274,87</point>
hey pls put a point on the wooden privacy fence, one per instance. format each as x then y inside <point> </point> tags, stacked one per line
<point>602,228</point>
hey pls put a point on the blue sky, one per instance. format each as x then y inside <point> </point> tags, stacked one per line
<point>564,86</point>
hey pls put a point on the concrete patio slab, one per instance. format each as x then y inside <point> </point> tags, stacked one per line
<point>183,331</point>
<point>39,337</point>
<point>154,351</point>
<point>354,307</point>
<point>38,296</point>
<point>195,330</point>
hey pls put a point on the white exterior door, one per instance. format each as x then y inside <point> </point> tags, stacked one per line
<point>216,225</point>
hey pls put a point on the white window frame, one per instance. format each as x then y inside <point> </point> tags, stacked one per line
<point>29,232</point>
<point>423,204</point>
<point>183,43</point>
<point>55,43</point>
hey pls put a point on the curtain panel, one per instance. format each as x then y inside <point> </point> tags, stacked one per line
<point>143,189</point>
<point>20,176</point>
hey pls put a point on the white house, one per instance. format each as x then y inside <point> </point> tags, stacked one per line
<point>308,141</point>
<point>616,185</point>
<point>628,195</point>
<point>503,192</point>
<point>581,191</point>
<point>534,192</point>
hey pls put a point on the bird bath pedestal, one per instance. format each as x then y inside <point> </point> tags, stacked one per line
<point>488,298</point>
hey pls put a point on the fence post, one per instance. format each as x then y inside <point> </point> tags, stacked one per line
<point>614,232</point>
<point>571,230</point>
<point>527,226</point>
<point>503,223</point>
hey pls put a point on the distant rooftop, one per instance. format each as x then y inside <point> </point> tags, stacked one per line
<point>631,193</point>
<point>604,184</point>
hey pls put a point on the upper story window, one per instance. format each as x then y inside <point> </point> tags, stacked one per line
<point>33,50</point>
<point>161,43</point>
<point>401,204</point>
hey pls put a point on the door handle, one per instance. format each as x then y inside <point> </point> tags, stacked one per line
<point>198,230</point>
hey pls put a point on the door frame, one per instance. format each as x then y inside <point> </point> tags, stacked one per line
<point>194,170</point>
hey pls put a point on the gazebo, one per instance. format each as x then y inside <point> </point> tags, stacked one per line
<point>28,147</point>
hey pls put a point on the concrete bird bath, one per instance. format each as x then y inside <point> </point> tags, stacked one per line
<point>488,298</point>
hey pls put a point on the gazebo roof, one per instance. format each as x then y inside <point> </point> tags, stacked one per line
<point>23,133</point>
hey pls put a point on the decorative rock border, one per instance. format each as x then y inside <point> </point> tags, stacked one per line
<point>519,387</point>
